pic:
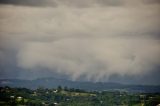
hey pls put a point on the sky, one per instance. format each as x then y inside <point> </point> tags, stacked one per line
<point>84,40</point>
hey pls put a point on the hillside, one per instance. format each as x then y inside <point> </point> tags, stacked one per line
<point>90,86</point>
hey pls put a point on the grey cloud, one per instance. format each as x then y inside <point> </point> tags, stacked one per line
<point>94,43</point>
<point>100,58</point>
<point>89,3</point>
<point>111,2</point>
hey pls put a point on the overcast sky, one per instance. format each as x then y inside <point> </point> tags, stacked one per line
<point>89,40</point>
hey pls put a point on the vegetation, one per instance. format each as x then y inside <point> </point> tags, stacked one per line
<point>74,97</point>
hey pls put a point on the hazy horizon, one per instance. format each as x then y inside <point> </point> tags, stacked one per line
<point>81,40</point>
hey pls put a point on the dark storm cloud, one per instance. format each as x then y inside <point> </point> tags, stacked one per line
<point>110,37</point>
<point>54,3</point>
<point>8,63</point>
<point>75,3</point>
<point>41,3</point>
<point>151,78</point>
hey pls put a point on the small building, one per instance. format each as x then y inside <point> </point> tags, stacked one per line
<point>19,97</point>
<point>55,91</point>
<point>34,94</point>
<point>55,103</point>
<point>12,97</point>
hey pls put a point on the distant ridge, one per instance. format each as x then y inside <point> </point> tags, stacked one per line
<point>90,86</point>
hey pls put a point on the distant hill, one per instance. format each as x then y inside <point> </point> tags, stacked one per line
<point>99,86</point>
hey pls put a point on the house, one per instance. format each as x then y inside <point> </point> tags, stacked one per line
<point>55,91</point>
<point>55,103</point>
<point>19,97</point>
<point>34,94</point>
<point>11,96</point>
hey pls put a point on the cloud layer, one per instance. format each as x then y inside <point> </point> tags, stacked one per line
<point>94,39</point>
